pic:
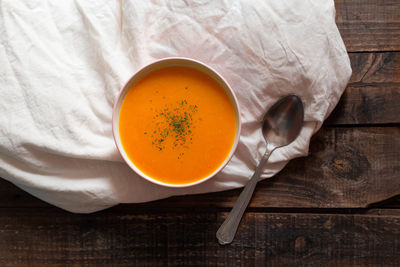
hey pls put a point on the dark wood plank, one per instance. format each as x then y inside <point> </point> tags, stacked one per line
<point>31,237</point>
<point>375,68</point>
<point>367,104</point>
<point>369,25</point>
<point>12,196</point>
<point>344,164</point>
<point>373,94</point>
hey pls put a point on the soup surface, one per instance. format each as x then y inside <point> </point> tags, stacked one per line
<point>177,125</point>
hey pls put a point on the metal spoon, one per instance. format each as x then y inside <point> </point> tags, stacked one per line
<point>281,125</point>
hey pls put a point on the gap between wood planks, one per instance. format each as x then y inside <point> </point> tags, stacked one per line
<point>137,209</point>
<point>376,125</point>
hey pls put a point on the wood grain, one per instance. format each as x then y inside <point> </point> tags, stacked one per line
<point>375,68</point>
<point>367,105</point>
<point>373,93</point>
<point>188,239</point>
<point>369,25</point>
<point>344,164</point>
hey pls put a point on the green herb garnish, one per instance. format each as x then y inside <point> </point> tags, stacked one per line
<point>174,123</point>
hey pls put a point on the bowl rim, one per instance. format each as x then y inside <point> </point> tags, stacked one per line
<point>118,102</point>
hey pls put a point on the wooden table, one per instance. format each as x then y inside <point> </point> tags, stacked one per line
<point>338,206</point>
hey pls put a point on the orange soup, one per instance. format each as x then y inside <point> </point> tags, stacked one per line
<point>177,125</point>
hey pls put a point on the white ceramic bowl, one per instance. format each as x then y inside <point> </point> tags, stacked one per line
<point>162,63</point>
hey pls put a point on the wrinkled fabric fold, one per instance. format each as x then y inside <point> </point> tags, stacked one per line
<point>63,65</point>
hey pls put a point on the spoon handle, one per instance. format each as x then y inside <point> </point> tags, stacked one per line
<point>227,230</point>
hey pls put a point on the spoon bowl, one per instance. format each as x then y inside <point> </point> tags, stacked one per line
<point>283,122</point>
<point>281,125</point>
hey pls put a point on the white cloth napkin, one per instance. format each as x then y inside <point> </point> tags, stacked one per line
<point>62,64</point>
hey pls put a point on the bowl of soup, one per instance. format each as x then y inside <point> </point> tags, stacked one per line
<point>176,122</point>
